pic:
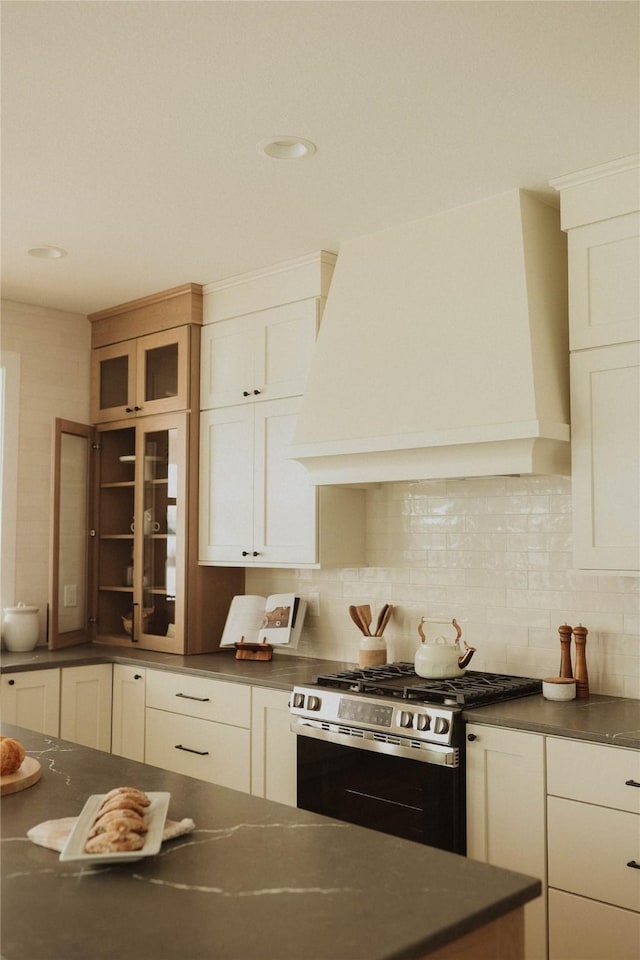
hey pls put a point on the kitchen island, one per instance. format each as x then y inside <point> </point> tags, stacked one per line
<point>255,880</point>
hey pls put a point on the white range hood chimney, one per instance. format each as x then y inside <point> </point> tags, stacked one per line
<point>443,350</point>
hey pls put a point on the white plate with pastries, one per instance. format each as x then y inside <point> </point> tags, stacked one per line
<point>150,841</point>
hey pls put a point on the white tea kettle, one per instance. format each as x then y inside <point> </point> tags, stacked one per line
<point>441,658</point>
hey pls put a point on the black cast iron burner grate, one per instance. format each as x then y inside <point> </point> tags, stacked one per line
<point>400,681</point>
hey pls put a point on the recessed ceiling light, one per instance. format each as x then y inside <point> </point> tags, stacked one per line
<point>287,148</point>
<point>47,252</point>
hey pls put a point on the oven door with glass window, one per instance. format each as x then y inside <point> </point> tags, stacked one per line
<point>409,798</point>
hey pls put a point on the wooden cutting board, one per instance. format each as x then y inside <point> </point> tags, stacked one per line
<point>26,776</point>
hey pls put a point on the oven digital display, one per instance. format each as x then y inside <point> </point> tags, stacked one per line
<point>365,712</point>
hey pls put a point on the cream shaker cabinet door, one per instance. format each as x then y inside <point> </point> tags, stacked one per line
<point>604,286</point>
<point>216,752</point>
<point>127,720</point>
<point>85,705</point>
<point>257,507</point>
<point>506,813</point>
<point>273,747</point>
<point>592,851</point>
<point>260,356</point>
<point>605,450</point>
<point>226,485</point>
<point>32,700</point>
<point>285,512</point>
<point>581,929</point>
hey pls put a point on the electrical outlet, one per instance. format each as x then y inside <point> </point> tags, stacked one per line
<point>70,595</point>
<point>313,604</point>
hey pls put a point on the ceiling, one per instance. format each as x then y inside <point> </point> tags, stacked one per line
<point>130,129</point>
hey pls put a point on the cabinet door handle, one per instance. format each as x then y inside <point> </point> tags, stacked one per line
<point>632,783</point>
<point>201,753</point>
<point>472,737</point>
<point>128,409</point>
<point>137,676</point>
<point>245,393</point>
<point>245,553</point>
<point>256,393</point>
<point>11,682</point>
<point>632,863</point>
<point>185,696</point>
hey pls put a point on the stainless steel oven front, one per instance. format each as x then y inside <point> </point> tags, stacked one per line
<point>387,765</point>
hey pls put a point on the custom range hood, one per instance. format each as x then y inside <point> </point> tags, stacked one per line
<point>443,351</point>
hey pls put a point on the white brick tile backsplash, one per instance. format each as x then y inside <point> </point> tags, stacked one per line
<point>494,553</point>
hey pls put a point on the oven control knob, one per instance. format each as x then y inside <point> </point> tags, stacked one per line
<point>298,700</point>
<point>441,725</point>
<point>313,703</point>
<point>423,721</point>
<point>406,718</point>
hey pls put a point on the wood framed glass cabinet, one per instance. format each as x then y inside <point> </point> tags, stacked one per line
<point>140,533</point>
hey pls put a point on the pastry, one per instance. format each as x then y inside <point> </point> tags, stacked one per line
<point>121,803</point>
<point>138,795</point>
<point>113,842</point>
<point>118,822</point>
<point>11,755</point>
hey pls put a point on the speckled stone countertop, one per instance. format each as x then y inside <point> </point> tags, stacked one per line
<point>256,880</point>
<point>284,671</point>
<point>601,719</point>
<point>612,720</point>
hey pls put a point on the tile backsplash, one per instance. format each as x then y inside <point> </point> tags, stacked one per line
<point>493,553</point>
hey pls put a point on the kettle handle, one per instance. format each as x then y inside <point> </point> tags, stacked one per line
<point>454,623</point>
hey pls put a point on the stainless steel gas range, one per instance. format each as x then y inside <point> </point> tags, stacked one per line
<point>385,748</point>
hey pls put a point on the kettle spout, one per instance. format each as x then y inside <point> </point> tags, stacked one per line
<point>466,656</point>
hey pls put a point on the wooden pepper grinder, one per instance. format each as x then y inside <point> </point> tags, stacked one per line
<point>582,676</point>
<point>565,632</point>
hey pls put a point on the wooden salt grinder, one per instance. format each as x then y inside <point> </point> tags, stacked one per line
<point>565,632</point>
<point>582,676</point>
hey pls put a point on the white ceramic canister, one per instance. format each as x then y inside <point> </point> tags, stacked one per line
<point>372,652</point>
<point>20,628</point>
<point>559,688</point>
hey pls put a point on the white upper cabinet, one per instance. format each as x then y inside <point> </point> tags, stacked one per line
<point>258,506</point>
<point>260,356</point>
<point>604,290</point>
<point>601,214</point>
<point>605,392</point>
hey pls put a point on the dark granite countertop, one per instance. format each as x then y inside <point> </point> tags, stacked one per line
<point>284,671</point>
<point>256,880</point>
<point>601,719</point>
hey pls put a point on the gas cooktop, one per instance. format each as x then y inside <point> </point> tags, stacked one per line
<point>400,681</point>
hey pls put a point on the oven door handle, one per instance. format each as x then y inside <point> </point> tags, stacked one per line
<point>359,739</point>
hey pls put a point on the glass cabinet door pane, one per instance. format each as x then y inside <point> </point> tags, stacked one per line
<point>114,382</point>
<point>161,372</point>
<point>159,533</point>
<point>116,532</point>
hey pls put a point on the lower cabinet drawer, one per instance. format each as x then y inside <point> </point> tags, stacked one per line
<point>195,696</point>
<point>581,929</point>
<point>197,748</point>
<point>590,848</point>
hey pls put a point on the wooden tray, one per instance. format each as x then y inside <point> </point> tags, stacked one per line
<point>26,776</point>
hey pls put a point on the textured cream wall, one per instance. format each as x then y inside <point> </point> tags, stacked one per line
<point>54,349</point>
<point>493,553</point>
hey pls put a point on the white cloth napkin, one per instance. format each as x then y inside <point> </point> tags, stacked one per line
<point>53,833</point>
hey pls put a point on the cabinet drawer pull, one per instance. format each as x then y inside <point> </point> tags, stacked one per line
<point>632,783</point>
<point>185,696</point>
<point>632,863</point>
<point>201,753</point>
